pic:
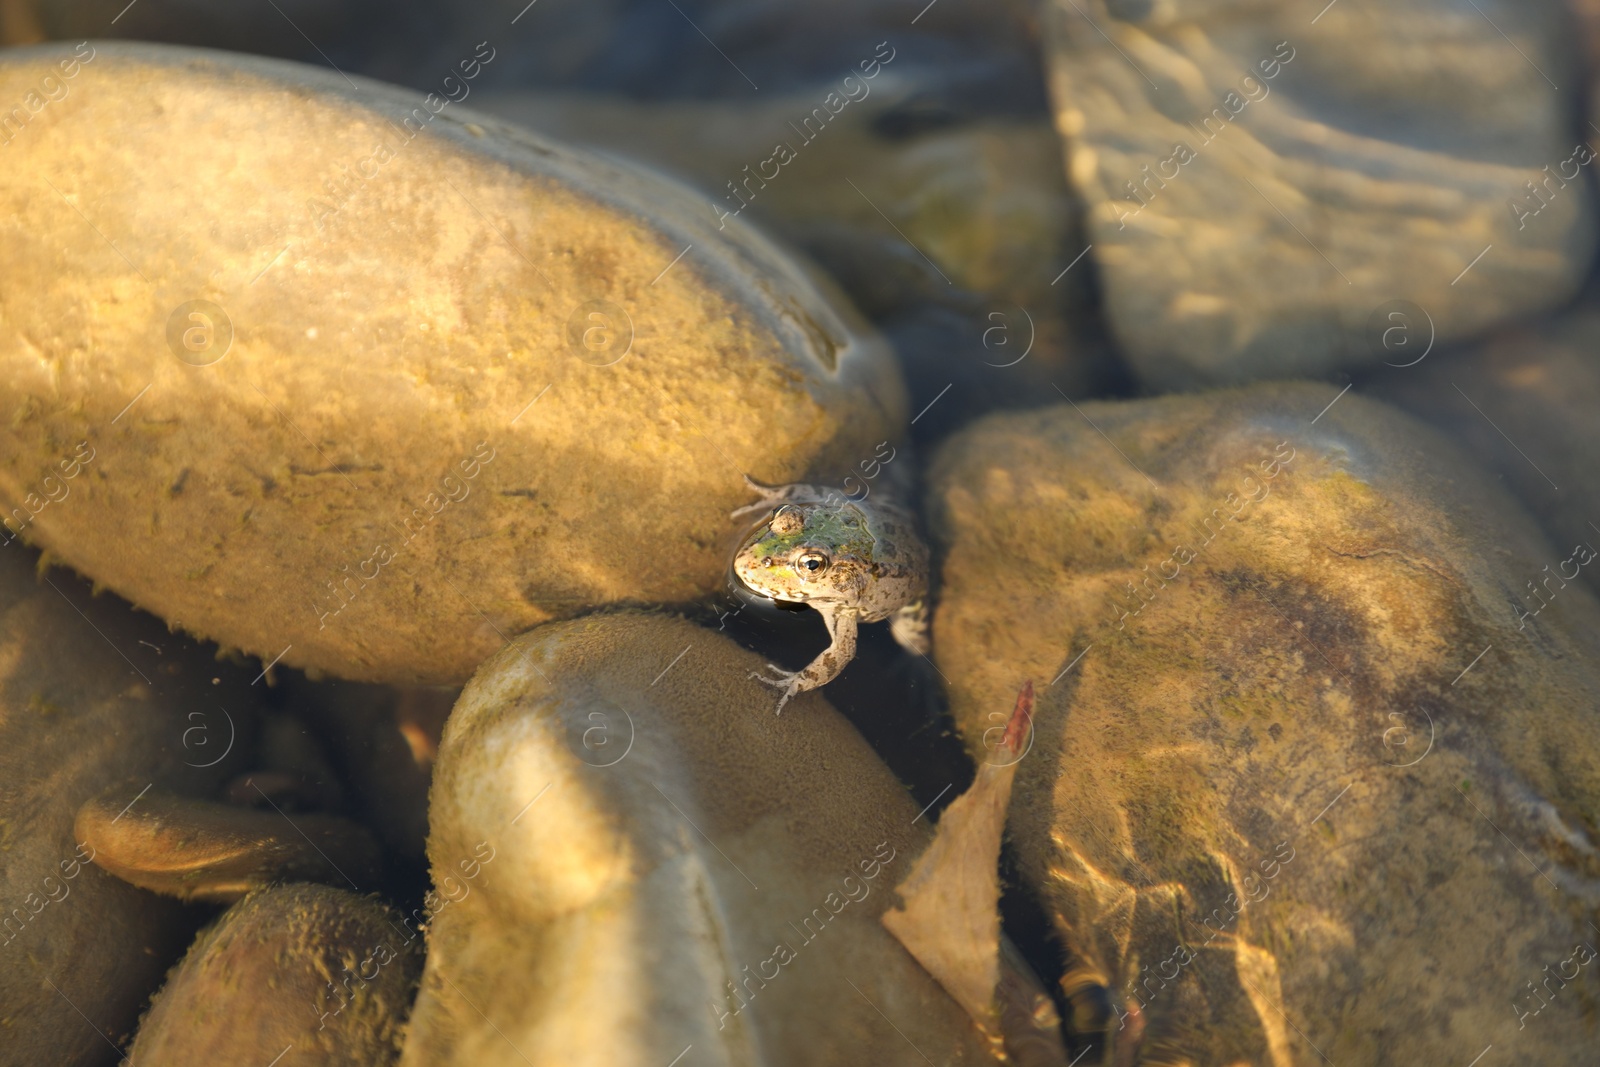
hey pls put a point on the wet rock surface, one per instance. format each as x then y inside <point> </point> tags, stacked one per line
<point>621,823</point>
<point>492,337</point>
<point>303,971</point>
<point>91,693</point>
<point>1296,761</point>
<point>1259,181</point>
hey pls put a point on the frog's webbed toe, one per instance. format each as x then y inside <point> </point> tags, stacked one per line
<point>830,661</point>
<point>791,682</point>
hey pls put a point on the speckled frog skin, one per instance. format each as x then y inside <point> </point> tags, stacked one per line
<point>851,560</point>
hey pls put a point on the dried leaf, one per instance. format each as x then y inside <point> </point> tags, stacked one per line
<point>950,916</point>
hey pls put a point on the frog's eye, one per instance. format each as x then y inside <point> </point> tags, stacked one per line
<point>811,563</point>
<point>787,520</point>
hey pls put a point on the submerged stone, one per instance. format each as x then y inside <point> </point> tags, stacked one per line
<point>95,700</point>
<point>1523,402</point>
<point>1299,771</point>
<point>1260,179</point>
<point>200,850</point>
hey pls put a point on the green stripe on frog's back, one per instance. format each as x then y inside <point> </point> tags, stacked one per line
<point>841,528</point>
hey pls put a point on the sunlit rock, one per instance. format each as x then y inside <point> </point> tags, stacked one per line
<point>632,855</point>
<point>378,382</point>
<point>202,850</point>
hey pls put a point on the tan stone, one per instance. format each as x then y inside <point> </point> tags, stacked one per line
<point>201,850</point>
<point>633,855</point>
<point>320,973</point>
<point>418,441</point>
<point>951,236</point>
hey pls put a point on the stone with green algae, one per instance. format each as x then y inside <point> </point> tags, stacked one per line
<point>1301,785</point>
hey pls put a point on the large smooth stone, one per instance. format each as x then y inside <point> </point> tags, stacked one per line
<point>93,696</point>
<point>317,975</point>
<point>1302,785</point>
<point>452,386</point>
<point>1524,403</point>
<point>1330,164</point>
<point>932,190</point>
<point>633,855</point>
<point>984,200</point>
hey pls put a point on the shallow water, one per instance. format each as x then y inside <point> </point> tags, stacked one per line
<point>322,394</point>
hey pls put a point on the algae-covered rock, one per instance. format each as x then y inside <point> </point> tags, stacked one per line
<point>632,855</point>
<point>93,696</point>
<point>371,381</point>
<point>1261,178</point>
<point>1302,783</point>
<point>1523,402</point>
<point>317,975</point>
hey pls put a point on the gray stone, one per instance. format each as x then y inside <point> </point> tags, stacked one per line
<point>1260,178</point>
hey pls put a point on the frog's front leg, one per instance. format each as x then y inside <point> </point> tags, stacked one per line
<point>909,626</point>
<point>842,623</point>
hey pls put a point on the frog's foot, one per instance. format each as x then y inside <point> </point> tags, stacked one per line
<point>909,626</point>
<point>772,496</point>
<point>830,661</point>
<point>792,683</point>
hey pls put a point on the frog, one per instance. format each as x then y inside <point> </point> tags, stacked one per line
<point>851,560</point>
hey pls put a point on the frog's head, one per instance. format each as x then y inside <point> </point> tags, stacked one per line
<point>807,552</point>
